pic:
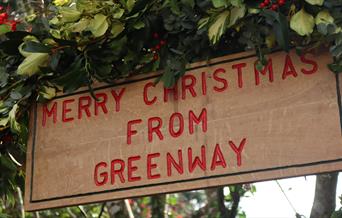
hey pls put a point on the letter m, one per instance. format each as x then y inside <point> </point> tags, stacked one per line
<point>48,113</point>
<point>194,119</point>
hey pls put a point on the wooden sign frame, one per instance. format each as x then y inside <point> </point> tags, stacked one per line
<point>45,187</point>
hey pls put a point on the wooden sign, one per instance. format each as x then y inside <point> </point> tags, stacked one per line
<point>224,123</point>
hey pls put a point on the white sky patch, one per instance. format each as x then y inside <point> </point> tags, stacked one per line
<point>270,202</point>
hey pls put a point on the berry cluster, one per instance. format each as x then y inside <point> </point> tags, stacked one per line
<point>272,4</point>
<point>4,20</point>
<point>160,44</point>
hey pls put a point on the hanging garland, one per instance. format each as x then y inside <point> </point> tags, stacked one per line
<point>73,43</point>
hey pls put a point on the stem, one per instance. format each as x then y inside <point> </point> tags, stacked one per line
<point>82,211</point>
<point>220,200</point>
<point>129,209</point>
<point>102,209</point>
<point>20,202</point>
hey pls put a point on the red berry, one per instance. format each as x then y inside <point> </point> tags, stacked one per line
<point>156,35</point>
<point>155,57</point>
<point>13,25</point>
<point>266,2</point>
<point>157,47</point>
<point>162,42</point>
<point>4,16</point>
<point>274,7</point>
<point>281,2</point>
<point>262,5</point>
<point>1,8</point>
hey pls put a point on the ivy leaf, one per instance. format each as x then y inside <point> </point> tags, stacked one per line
<point>4,121</point>
<point>235,14</point>
<point>31,64</point>
<point>203,22</point>
<point>69,15</point>
<point>4,28</point>
<point>219,3</point>
<point>324,17</point>
<point>237,3</point>
<point>118,13</point>
<point>190,3</point>
<point>130,4</point>
<point>174,7</point>
<point>35,47</point>
<point>46,93</point>
<point>303,23</point>
<point>98,25</point>
<point>15,126</point>
<point>80,25</point>
<point>315,2</point>
<point>218,27</point>
<point>139,25</point>
<point>117,28</point>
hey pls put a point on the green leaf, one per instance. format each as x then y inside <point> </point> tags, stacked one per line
<point>324,17</point>
<point>139,25</point>
<point>280,29</point>
<point>4,121</point>
<point>69,14</point>
<point>235,14</point>
<point>98,25</point>
<point>315,2</point>
<point>302,23</point>
<point>218,27</point>
<point>80,26</point>
<point>237,3</point>
<point>15,126</point>
<point>47,93</point>
<point>15,95</point>
<point>117,28</point>
<point>130,4</point>
<point>31,64</point>
<point>3,77</point>
<point>219,3</point>
<point>74,78</point>
<point>10,47</point>
<point>4,28</point>
<point>190,3</point>
<point>174,7</point>
<point>35,47</point>
<point>168,78</point>
<point>203,22</point>
<point>18,35</point>
<point>118,13</point>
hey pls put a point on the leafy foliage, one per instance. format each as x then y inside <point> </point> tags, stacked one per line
<point>66,44</point>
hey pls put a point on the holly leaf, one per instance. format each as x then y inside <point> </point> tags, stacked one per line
<point>35,47</point>
<point>74,78</point>
<point>280,28</point>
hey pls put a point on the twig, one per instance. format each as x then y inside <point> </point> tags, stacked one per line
<point>129,209</point>
<point>102,209</point>
<point>21,203</point>
<point>82,211</point>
